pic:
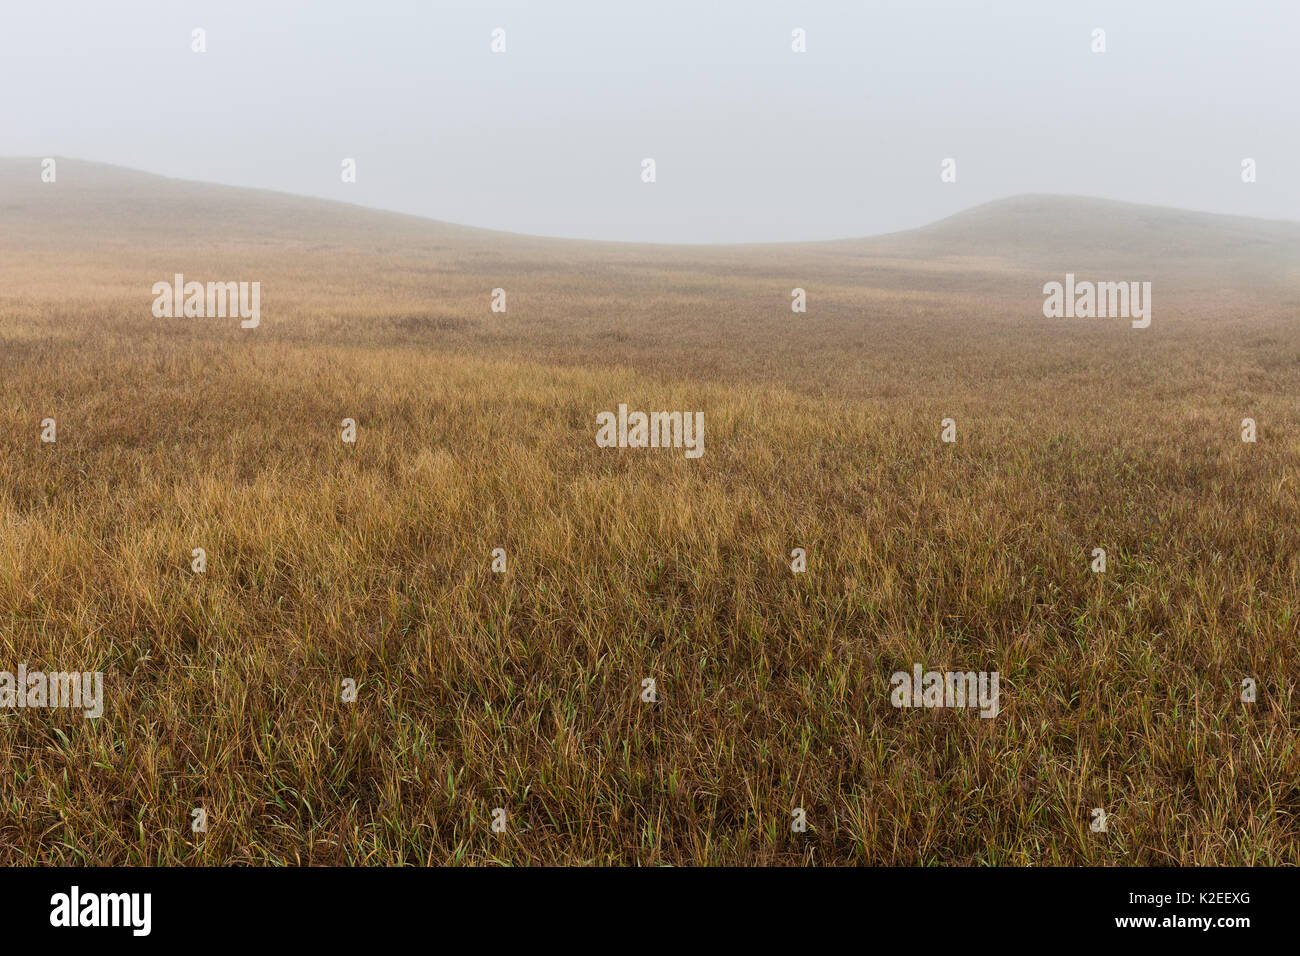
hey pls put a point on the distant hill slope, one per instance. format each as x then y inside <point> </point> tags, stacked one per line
<point>99,205</point>
<point>1058,233</point>
<point>124,204</point>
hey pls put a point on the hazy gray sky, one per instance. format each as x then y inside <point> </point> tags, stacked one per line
<point>751,140</point>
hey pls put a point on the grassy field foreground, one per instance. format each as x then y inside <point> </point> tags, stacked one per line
<point>523,690</point>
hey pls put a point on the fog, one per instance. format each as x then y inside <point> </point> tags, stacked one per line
<point>751,140</point>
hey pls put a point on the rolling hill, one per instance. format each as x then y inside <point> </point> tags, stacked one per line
<point>498,587</point>
<point>97,203</point>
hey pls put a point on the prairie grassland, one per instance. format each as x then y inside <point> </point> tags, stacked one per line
<point>522,690</point>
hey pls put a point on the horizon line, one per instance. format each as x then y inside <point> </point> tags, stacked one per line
<point>855,237</point>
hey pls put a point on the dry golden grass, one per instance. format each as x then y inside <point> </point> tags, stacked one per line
<point>476,431</point>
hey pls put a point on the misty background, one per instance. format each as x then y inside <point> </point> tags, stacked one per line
<point>751,140</point>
